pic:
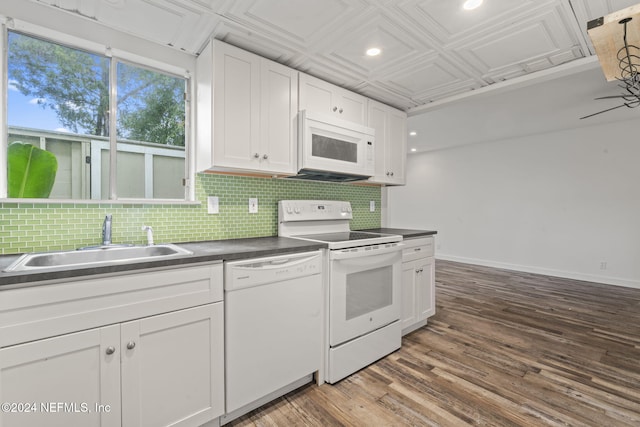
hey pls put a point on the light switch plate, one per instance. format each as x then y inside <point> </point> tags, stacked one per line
<point>372,206</point>
<point>213,205</point>
<point>253,205</point>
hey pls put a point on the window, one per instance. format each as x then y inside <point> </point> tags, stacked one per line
<point>72,109</point>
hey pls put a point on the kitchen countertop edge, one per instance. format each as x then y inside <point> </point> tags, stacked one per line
<point>405,233</point>
<point>206,251</point>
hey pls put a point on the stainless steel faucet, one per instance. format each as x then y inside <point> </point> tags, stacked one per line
<point>149,231</point>
<point>106,231</point>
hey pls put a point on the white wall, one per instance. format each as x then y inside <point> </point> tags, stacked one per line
<point>559,203</point>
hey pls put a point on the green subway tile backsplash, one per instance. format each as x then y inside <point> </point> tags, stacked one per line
<point>29,227</point>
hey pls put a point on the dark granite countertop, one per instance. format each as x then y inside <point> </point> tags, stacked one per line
<point>209,251</point>
<point>406,234</point>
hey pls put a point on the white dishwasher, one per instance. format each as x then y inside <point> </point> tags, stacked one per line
<point>273,325</point>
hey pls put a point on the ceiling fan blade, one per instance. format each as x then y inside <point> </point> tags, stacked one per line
<point>616,96</point>
<point>603,111</point>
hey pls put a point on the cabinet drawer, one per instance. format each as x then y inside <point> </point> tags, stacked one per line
<point>420,247</point>
<point>37,312</point>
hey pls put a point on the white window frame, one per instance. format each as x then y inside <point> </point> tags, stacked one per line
<point>117,55</point>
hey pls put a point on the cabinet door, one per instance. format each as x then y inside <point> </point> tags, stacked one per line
<point>391,143</point>
<point>352,107</point>
<point>316,95</point>
<point>172,368</point>
<point>396,146</point>
<point>426,292</point>
<point>279,106</point>
<point>409,292</point>
<point>74,380</point>
<point>322,97</point>
<point>236,110</point>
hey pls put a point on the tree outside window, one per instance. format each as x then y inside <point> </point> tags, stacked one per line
<point>58,100</point>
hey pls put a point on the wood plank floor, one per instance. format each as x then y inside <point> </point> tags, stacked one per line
<point>504,349</point>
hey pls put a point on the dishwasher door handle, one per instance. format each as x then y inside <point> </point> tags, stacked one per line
<point>268,265</point>
<point>260,271</point>
<point>279,262</point>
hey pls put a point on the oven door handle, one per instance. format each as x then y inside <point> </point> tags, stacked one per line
<point>361,252</point>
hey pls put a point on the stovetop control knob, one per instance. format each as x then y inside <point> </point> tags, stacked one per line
<point>297,210</point>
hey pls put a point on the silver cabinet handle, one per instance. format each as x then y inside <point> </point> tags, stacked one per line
<point>391,173</point>
<point>340,111</point>
<point>131,345</point>
<point>388,173</point>
<point>265,157</point>
<point>110,350</point>
<point>256,155</point>
<point>335,109</point>
<point>417,249</point>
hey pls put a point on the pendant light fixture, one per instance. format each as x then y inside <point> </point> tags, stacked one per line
<point>616,38</point>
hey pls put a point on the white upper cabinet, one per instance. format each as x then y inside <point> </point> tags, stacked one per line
<point>252,125</point>
<point>321,97</point>
<point>391,143</point>
<point>278,112</point>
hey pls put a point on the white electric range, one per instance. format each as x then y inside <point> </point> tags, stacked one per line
<point>363,288</point>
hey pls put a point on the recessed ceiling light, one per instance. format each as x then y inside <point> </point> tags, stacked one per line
<point>471,4</point>
<point>413,133</point>
<point>413,150</point>
<point>374,51</point>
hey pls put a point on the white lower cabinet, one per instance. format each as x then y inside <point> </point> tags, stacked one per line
<point>161,370</point>
<point>418,283</point>
<point>72,369</point>
<point>171,371</point>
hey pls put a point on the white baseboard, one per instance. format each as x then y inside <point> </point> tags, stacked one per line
<point>607,280</point>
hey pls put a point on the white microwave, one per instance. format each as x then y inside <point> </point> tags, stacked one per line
<point>331,149</point>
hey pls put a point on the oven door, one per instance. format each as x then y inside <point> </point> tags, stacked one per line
<point>364,290</point>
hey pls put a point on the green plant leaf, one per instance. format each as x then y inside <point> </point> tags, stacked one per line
<point>31,171</point>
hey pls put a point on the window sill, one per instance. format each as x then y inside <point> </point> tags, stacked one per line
<point>116,202</point>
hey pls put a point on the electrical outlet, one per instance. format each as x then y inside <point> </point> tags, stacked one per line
<point>253,205</point>
<point>372,206</point>
<point>213,205</point>
<point>603,265</point>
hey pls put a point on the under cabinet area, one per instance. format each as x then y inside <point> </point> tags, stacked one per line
<point>418,283</point>
<point>391,143</point>
<point>247,108</point>
<point>161,369</point>
<point>322,97</point>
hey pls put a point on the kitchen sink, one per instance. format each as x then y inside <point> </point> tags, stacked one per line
<point>99,255</point>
